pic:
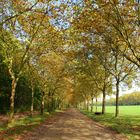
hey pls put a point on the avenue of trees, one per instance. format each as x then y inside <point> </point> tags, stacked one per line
<point>57,54</point>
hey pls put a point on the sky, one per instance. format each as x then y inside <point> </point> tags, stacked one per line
<point>134,88</point>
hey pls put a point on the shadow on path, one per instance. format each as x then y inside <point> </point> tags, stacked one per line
<point>72,125</point>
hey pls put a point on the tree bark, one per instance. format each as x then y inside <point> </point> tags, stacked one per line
<point>80,105</point>
<point>87,105</point>
<point>91,104</point>
<point>12,98</point>
<point>42,103</point>
<point>117,99</point>
<point>52,104</point>
<point>32,102</point>
<point>103,102</point>
<point>96,104</point>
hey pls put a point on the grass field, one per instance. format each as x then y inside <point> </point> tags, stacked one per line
<point>124,110</point>
<point>128,122</point>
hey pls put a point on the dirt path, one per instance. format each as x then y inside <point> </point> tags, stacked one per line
<point>72,125</point>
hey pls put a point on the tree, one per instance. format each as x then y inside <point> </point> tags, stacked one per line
<point>120,69</point>
<point>17,39</point>
<point>124,19</point>
<point>102,34</point>
<point>33,77</point>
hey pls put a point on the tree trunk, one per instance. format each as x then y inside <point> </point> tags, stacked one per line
<point>103,102</point>
<point>117,99</point>
<point>52,104</point>
<point>32,102</point>
<point>96,103</point>
<point>12,98</point>
<point>91,104</point>
<point>80,105</point>
<point>87,105</point>
<point>55,104</point>
<point>42,103</point>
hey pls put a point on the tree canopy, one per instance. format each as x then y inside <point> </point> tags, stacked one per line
<point>60,54</point>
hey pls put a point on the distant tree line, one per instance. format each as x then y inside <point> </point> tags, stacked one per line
<point>128,99</point>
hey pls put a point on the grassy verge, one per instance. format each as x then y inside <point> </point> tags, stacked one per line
<point>22,125</point>
<point>126,124</point>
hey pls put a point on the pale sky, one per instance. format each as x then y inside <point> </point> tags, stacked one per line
<point>133,89</point>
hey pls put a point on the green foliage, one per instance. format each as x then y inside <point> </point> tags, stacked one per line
<point>5,87</point>
<point>42,65</point>
<point>22,96</point>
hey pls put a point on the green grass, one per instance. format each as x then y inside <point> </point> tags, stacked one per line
<point>124,110</point>
<point>20,126</point>
<point>128,122</point>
